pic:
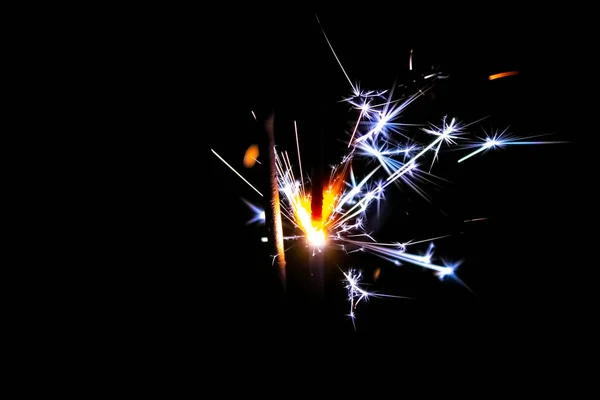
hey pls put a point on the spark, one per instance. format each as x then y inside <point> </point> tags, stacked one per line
<point>503,75</point>
<point>499,140</point>
<point>299,158</point>
<point>398,253</point>
<point>354,89</point>
<point>356,294</point>
<point>259,213</point>
<point>475,220</point>
<point>387,115</point>
<point>362,111</point>
<point>447,133</point>
<point>237,173</point>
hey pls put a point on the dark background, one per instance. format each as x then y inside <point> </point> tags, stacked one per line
<point>521,262</point>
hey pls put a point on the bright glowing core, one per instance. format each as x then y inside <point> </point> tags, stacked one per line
<point>316,238</point>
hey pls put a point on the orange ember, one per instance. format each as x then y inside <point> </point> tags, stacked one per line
<point>503,75</point>
<point>251,156</point>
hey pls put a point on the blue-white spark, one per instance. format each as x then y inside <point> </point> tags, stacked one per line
<point>258,216</point>
<point>500,139</point>
<point>356,294</point>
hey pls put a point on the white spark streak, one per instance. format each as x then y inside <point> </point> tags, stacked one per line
<point>237,173</point>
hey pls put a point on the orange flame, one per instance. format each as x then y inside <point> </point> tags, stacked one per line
<point>331,195</point>
<point>302,209</point>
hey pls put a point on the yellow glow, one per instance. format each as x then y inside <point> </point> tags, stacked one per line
<point>315,235</point>
<point>314,230</point>
<point>302,213</point>
<point>316,238</point>
<point>331,195</point>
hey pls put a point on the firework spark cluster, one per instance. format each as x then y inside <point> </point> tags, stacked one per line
<point>396,154</point>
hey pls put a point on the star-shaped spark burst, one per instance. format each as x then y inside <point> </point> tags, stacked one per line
<point>356,294</point>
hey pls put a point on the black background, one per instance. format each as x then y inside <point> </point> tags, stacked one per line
<point>522,262</point>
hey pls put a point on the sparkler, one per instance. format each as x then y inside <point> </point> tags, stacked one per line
<point>277,228</point>
<point>348,193</point>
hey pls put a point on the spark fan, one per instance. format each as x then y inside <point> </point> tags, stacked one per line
<point>396,154</point>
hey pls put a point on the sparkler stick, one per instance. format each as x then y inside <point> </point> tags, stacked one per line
<point>277,227</point>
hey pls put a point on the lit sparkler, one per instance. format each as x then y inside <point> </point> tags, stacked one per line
<point>348,194</point>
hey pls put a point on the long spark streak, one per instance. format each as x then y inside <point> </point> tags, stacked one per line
<point>356,126</point>
<point>497,141</point>
<point>299,158</point>
<point>335,55</point>
<point>482,148</point>
<point>237,173</point>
